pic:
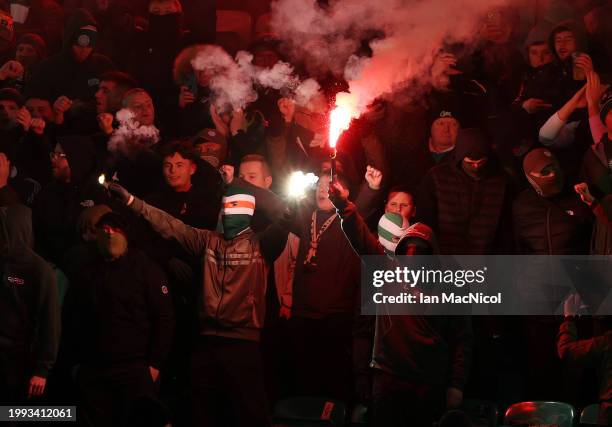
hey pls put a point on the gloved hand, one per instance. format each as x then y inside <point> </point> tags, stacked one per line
<point>338,195</point>
<point>180,269</point>
<point>118,192</point>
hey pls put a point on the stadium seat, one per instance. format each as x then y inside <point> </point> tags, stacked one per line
<point>538,413</point>
<point>359,416</point>
<point>483,413</point>
<point>308,412</point>
<point>589,414</point>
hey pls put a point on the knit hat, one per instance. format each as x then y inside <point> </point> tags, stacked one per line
<point>213,156</point>
<point>86,36</point>
<point>605,105</point>
<point>37,42</point>
<point>237,211</point>
<point>90,217</point>
<point>10,94</point>
<point>391,228</point>
<point>472,143</point>
<point>538,34</point>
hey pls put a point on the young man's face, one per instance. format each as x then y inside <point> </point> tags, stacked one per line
<point>177,172</point>
<point>539,55</point>
<point>322,195</point>
<point>565,44</point>
<point>40,109</point>
<point>141,105</point>
<point>254,173</point>
<point>401,203</point>
<point>265,58</point>
<point>164,7</point>
<point>444,134</point>
<point>26,55</point>
<point>108,97</point>
<point>8,113</point>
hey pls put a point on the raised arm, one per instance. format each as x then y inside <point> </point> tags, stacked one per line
<point>193,240</point>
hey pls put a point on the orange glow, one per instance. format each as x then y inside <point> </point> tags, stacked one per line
<point>339,121</point>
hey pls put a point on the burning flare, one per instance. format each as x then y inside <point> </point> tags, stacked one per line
<point>299,183</point>
<point>339,121</point>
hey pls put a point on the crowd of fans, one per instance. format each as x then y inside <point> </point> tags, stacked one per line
<point>153,273</point>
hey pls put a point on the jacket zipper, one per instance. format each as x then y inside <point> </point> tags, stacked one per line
<point>222,283</point>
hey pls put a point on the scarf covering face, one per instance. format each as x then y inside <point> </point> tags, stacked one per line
<point>391,228</point>
<point>238,209</point>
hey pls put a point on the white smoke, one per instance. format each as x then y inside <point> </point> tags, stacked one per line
<point>233,81</point>
<point>405,36</point>
<point>130,134</point>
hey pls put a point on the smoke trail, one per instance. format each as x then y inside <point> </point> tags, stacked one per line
<point>130,135</point>
<point>233,81</point>
<point>403,37</point>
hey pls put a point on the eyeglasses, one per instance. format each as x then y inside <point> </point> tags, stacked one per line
<point>56,156</point>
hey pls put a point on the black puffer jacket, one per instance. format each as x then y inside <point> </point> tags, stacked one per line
<point>560,225</point>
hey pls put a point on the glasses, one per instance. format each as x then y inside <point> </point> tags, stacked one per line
<point>56,156</point>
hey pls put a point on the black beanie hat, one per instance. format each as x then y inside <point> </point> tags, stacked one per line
<point>472,143</point>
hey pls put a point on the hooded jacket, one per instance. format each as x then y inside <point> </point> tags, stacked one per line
<point>231,300</point>
<point>58,206</point>
<point>435,350</point>
<point>29,306</point>
<point>469,216</point>
<point>62,75</point>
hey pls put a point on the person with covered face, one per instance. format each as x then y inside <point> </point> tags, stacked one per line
<point>231,300</point>
<point>467,201</point>
<point>71,77</point>
<point>413,383</point>
<point>29,311</point>
<point>549,218</point>
<point>119,323</point>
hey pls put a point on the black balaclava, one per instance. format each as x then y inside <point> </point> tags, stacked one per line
<point>537,160</point>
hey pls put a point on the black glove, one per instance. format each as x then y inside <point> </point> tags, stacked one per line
<point>118,192</point>
<point>338,196</point>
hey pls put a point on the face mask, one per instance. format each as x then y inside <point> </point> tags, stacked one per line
<point>113,246</point>
<point>391,228</point>
<point>549,185</point>
<point>238,209</point>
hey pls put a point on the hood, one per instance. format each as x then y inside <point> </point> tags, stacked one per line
<point>471,142</point>
<point>80,18</point>
<point>16,237</point>
<point>79,151</point>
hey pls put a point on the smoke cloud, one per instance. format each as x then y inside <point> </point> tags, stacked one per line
<point>130,135</point>
<point>233,81</point>
<point>403,37</point>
